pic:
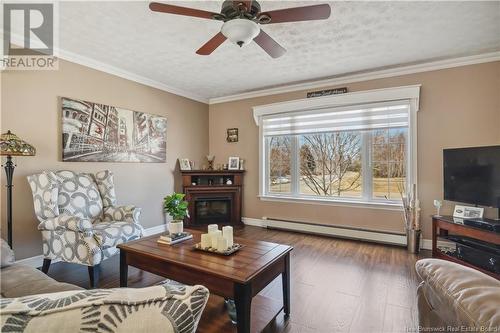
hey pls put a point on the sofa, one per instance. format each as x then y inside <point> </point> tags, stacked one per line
<point>455,298</point>
<point>33,302</point>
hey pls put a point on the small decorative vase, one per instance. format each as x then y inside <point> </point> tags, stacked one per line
<point>413,240</point>
<point>210,160</point>
<point>176,227</point>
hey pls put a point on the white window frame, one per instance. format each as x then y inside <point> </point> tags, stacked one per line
<point>405,93</point>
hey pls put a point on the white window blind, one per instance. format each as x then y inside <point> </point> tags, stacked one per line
<point>350,118</point>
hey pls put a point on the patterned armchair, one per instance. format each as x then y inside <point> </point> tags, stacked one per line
<point>79,219</point>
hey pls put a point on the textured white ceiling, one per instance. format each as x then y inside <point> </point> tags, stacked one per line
<point>359,36</point>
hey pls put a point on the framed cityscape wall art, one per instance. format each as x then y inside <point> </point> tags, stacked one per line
<point>95,132</point>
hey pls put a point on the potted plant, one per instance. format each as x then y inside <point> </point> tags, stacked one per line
<point>175,206</point>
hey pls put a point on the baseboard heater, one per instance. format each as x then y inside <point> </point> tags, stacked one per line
<point>329,230</point>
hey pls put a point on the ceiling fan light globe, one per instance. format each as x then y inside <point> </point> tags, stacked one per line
<point>240,31</point>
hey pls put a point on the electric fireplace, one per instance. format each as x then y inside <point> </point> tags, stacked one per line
<point>213,196</point>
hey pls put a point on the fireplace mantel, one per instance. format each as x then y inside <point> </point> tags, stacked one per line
<point>212,199</point>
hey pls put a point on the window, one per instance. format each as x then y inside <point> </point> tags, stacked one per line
<point>280,154</point>
<point>358,153</point>
<point>388,156</point>
<point>330,164</point>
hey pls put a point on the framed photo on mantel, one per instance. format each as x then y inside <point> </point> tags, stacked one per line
<point>184,164</point>
<point>234,163</point>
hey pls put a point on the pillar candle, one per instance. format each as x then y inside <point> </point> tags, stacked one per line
<point>215,238</point>
<point>227,233</point>
<point>222,244</point>
<point>205,241</point>
<point>212,228</point>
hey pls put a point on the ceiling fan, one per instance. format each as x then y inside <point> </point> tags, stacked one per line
<point>242,20</point>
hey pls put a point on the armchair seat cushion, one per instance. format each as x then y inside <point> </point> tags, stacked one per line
<point>111,233</point>
<point>67,222</point>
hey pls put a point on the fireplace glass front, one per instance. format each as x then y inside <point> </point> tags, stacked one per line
<point>212,210</point>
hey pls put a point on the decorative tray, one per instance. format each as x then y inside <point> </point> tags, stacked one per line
<point>228,252</point>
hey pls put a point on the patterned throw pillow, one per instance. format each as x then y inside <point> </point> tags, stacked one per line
<point>45,190</point>
<point>106,185</point>
<point>79,195</point>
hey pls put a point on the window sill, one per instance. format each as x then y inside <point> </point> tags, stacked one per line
<point>392,205</point>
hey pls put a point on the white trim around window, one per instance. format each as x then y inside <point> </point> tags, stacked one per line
<point>411,94</point>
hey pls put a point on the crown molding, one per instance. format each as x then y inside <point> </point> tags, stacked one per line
<point>100,66</point>
<point>372,75</point>
<point>106,68</point>
<point>345,79</point>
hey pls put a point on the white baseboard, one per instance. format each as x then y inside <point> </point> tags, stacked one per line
<point>365,235</point>
<point>427,244</point>
<point>254,222</point>
<point>372,236</point>
<point>155,230</point>
<point>37,261</point>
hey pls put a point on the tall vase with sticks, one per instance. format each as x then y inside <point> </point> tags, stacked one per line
<point>411,213</point>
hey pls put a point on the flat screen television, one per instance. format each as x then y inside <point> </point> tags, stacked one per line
<point>472,175</point>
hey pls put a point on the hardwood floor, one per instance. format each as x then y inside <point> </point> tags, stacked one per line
<point>336,286</point>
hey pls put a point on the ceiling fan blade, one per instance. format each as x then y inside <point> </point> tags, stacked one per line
<point>269,45</point>
<point>212,44</point>
<point>307,13</point>
<point>171,9</point>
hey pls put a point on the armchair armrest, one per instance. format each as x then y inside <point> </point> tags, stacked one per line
<point>67,222</point>
<point>128,213</point>
<point>165,308</point>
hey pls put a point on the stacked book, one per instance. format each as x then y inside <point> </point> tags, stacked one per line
<point>174,238</point>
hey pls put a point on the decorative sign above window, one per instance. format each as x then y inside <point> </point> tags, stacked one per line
<point>327,92</point>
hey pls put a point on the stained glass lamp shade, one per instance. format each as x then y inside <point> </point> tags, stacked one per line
<point>12,145</point>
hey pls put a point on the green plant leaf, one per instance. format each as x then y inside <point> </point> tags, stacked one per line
<point>176,206</point>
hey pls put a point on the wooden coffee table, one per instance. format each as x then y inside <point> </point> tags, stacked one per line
<point>239,276</point>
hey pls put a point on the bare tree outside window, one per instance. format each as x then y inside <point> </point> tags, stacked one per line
<point>389,162</point>
<point>330,164</point>
<point>280,163</point>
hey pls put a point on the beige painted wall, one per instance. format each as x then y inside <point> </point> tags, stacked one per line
<point>451,101</point>
<point>30,107</point>
<point>458,107</point>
